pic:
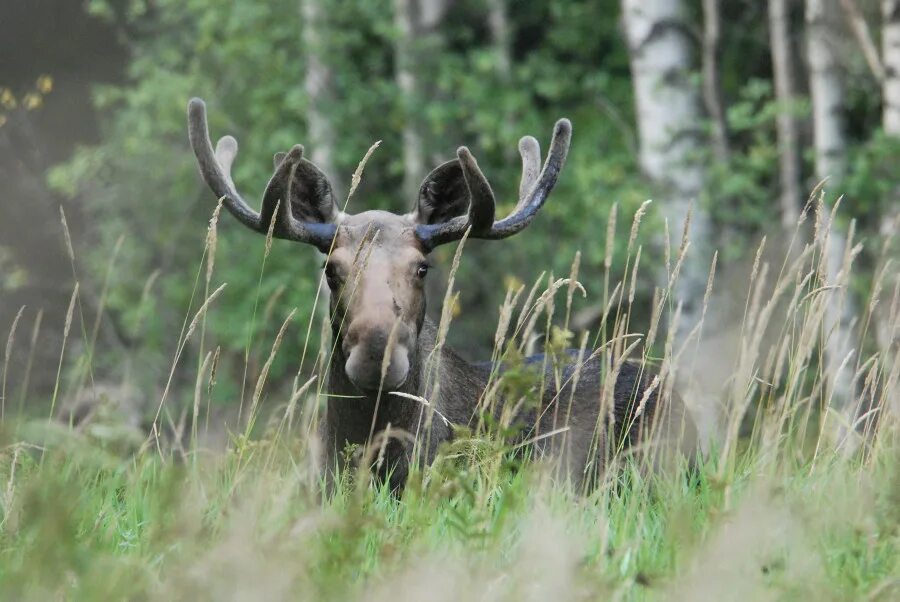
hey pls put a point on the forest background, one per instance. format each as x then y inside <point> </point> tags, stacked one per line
<point>738,109</point>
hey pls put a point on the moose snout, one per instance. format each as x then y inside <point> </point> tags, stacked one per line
<point>365,348</point>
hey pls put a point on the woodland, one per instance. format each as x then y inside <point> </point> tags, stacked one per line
<point>730,202</point>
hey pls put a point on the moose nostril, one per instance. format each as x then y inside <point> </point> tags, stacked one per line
<point>350,339</point>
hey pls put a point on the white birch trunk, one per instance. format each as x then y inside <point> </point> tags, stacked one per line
<point>712,86</point>
<point>890,40</point>
<point>414,19</point>
<point>789,157</point>
<point>888,328</point>
<point>317,83</point>
<point>668,108</point>
<point>407,81</point>
<point>826,89</point>
<point>830,142</point>
<point>890,49</point>
<point>499,24</point>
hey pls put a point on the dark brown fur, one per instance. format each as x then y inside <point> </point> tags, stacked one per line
<point>350,413</point>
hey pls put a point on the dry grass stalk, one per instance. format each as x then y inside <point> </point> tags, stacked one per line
<point>432,362</point>
<point>385,365</point>
<point>529,300</point>
<point>542,304</point>
<point>212,240</point>
<point>198,388</point>
<point>264,373</point>
<point>610,236</point>
<point>573,283</point>
<point>356,178</point>
<point>32,346</point>
<point>6,357</point>
<point>634,272</point>
<point>636,224</point>
<point>182,343</point>
<point>67,235</point>
<point>62,351</point>
<point>510,302</point>
<point>271,230</point>
<point>421,400</point>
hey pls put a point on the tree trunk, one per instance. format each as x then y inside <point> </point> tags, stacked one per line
<point>498,21</point>
<point>712,85</point>
<point>890,41</point>
<point>416,22</point>
<point>789,157</point>
<point>668,108</point>
<point>889,333</point>
<point>830,142</point>
<point>857,23</point>
<point>317,83</point>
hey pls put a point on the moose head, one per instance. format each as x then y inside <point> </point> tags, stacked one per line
<point>377,261</point>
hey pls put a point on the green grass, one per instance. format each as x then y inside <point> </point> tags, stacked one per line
<point>781,508</point>
<point>79,523</point>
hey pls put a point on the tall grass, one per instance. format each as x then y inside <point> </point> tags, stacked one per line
<point>794,497</point>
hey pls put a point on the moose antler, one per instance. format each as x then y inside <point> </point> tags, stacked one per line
<point>534,188</point>
<point>215,167</point>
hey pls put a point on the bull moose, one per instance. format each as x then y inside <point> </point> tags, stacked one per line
<point>376,266</point>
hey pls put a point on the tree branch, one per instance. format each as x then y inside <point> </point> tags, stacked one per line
<point>863,36</point>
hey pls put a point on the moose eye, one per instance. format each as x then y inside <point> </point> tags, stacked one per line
<point>422,270</point>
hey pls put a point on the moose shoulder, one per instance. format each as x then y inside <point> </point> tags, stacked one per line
<point>383,343</point>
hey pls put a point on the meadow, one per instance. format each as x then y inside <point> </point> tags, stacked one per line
<point>795,496</point>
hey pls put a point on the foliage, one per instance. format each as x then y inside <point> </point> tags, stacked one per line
<point>141,181</point>
<point>248,59</point>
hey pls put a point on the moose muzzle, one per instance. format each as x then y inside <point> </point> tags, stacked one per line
<point>376,359</point>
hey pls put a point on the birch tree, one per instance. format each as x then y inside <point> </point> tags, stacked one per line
<point>668,108</point>
<point>712,84</point>
<point>498,21</point>
<point>416,22</point>
<point>890,42</point>
<point>890,50</point>
<point>786,124</point>
<point>317,83</point>
<point>827,91</point>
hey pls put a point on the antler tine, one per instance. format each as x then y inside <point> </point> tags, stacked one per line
<point>530,204</point>
<point>480,215</point>
<point>481,204</point>
<point>531,165</point>
<point>226,151</point>
<point>215,167</point>
<point>278,196</point>
<point>216,170</point>
<point>534,188</point>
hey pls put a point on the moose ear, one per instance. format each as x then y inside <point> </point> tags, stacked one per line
<point>443,195</point>
<point>301,183</point>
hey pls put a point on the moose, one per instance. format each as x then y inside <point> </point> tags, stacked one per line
<point>376,266</point>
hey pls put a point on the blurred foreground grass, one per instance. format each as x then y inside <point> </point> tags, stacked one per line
<point>80,523</point>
